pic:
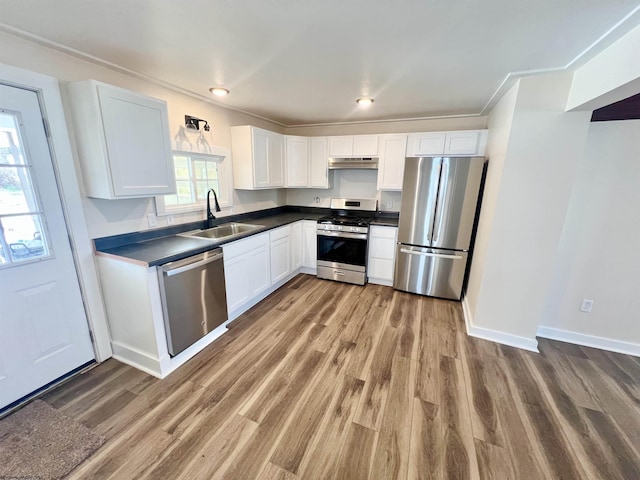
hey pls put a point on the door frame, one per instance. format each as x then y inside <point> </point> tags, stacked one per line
<point>68,183</point>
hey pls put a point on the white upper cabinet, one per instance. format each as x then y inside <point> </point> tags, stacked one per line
<point>123,141</point>
<point>307,162</point>
<point>297,160</point>
<point>391,164</point>
<point>258,158</point>
<point>353,146</point>
<point>462,143</point>
<point>318,162</point>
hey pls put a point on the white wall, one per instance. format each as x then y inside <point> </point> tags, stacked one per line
<point>544,147</point>
<point>499,124</point>
<point>346,184</point>
<point>109,217</point>
<point>598,257</point>
<point>612,75</point>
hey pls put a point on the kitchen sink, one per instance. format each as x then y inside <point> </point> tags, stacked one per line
<point>223,231</point>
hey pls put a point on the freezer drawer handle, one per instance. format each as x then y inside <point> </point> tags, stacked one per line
<point>426,254</point>
<point>190,266</point>
<point>338,272</point>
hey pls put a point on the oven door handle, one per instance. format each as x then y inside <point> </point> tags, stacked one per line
<point>356,236</point>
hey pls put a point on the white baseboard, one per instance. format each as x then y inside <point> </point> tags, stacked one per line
<point>379,281</point>
<point>602,343</point>
<point>134,357</point>
<point>530,344</point>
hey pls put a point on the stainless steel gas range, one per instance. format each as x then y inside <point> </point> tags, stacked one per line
<point>342,240</point>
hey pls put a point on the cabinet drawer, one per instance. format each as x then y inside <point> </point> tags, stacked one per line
<point>278,233</point>
<point>240,247</point>
<point>378,231</point>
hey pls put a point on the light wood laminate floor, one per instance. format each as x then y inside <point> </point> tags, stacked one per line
<point>324,380</point>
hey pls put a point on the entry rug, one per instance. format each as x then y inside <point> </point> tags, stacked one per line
<point>40,443</point>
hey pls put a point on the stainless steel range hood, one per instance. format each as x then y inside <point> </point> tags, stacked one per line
<point>363,163</point>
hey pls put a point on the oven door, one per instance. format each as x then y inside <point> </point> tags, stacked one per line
<point>342,256</point>
<point>343,250</point>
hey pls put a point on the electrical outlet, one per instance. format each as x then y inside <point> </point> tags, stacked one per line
<point>389,204</point>
<point>586,305</point>
<point>170,220</point>
<point>152,220</point>
<point>316,199</point>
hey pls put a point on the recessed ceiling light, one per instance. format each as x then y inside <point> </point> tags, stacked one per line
<point>219,91</point>
<point>364,101</point>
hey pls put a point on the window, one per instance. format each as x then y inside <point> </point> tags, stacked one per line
<point>22,233</point>
<point>196,174</point>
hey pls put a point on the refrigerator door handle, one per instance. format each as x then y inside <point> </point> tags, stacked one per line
<point>443,186</point>
<point>428,254</point>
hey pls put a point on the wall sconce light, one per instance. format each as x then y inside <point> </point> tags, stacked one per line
<point>193,123</point>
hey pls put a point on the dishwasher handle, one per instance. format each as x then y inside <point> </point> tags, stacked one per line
<point>180,267</point>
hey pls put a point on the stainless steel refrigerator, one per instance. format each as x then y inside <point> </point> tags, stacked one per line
<point>437,213</point>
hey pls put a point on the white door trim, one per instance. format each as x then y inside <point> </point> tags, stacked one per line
<point>68,185</point>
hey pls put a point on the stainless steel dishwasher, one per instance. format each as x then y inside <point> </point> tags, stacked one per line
<point>194,301</point>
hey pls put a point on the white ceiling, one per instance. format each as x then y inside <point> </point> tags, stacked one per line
<point>305,62</point>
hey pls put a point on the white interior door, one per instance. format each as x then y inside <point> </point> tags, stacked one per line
<point>43,326</point>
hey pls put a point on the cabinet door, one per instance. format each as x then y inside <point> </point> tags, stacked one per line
<point>138,144</point>
<point>341,146</point>
<point>461,143</point>
<point>319,163</point>
<point>382,251</point>
<point>296,245</point>
<point>258,270</point>
<point>297,160</point>
<point>239,290</point>
<point>261,150</point>
<point>276,160</point>
<point>309,244</point>
<point>426,144</point>
<point>391,167</point>
<point>365,145</point>
<point>280,259</point>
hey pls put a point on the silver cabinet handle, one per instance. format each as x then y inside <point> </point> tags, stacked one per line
<point>427,254</point>
<point>338,272</point>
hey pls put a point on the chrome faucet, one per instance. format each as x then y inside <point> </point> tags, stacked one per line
<point>210,216</point>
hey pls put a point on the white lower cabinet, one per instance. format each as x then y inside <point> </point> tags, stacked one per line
<point>296,245</point>
<point>247,270</point>
<point>279,241</point>
<point>382,254</point>
<point>309,246</point>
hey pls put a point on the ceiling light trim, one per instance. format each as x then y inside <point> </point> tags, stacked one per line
<point>387,120</point>
<point>219,91</point>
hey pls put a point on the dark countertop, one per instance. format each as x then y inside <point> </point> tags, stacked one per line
<point>386,221</point>
<point>170,247</point>
<point>156,247</point>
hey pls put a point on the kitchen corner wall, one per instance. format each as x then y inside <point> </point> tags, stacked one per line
<point>515,266</point>
<point>598,256</point>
